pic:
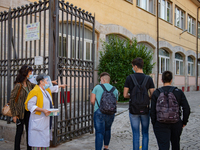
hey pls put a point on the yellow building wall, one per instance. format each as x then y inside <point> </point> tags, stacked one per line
<point>139,21</point>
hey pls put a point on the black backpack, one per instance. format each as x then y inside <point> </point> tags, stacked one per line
<point>139,102</point>
<point>108,103</point>
<point>167,107</point>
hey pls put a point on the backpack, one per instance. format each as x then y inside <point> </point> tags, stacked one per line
<point>139,102</point>
<point>108,103</point>
<point>167,107</point>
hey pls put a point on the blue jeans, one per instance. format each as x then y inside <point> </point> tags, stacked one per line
<point>102,125</point>
<point>135,125</point>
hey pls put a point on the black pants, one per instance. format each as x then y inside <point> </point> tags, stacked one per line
<point>19,131</point>
<point>166,133</point>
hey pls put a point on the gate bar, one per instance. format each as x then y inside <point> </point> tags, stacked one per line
<point>9,59</point>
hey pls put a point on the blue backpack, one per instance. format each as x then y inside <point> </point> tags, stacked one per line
<point>108,103</point>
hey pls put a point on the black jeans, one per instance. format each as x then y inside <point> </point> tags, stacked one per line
<point>19,131</point>
<point>166,133</point>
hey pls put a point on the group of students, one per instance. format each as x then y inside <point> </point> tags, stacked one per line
<point>30,104</point>
<point>164,106</point>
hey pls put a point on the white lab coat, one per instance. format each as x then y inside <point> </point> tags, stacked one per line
<point>39,125</point>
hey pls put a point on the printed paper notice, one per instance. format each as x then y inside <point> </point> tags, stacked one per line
<point>32,31</point>
<point>38,60</point>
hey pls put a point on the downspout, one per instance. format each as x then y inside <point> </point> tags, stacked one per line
<point>157,45</point>
<point>197,49</point>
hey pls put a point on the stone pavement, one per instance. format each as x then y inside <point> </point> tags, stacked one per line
<point>122,135</point>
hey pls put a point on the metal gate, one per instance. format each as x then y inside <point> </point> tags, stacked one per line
<point>66,44</point>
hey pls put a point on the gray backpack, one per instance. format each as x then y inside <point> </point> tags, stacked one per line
<point>108,103</point>
<point>167,107</point>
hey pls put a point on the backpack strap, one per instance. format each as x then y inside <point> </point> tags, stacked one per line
<point>103,87</point>
<point>160,90</point>
<point>113,88</point>
<point>145,80</point>
<point>97,102</point>
<point>134,79</point>
<point>172,89</point>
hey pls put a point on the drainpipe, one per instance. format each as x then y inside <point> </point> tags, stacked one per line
<point>197,49</point>
<point>157,46</point>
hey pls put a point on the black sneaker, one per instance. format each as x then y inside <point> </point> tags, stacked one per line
<point>105,149</point>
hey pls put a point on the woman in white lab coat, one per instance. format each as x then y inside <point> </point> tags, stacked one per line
<point>38,102</point>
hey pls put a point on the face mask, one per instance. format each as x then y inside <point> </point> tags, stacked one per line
<point>133,70</point>
<point>30,76</point>
<point>46,86</point>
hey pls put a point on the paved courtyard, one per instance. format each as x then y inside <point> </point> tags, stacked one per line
<point>122,136</point>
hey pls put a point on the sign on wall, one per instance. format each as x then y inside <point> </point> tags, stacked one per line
<point>32,31</point>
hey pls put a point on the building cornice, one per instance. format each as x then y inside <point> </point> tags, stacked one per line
<point>197,2</point>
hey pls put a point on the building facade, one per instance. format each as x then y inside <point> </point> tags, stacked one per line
<point>138,19</point>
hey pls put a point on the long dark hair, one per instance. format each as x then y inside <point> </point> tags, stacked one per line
<point>23,72</point>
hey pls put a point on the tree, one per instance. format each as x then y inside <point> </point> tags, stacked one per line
<point>117,57</point>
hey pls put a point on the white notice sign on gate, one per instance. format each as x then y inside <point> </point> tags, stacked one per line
<point>32,31</point>
<point>38,60</point>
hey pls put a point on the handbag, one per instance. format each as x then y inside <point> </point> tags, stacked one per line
<point>6,109</point>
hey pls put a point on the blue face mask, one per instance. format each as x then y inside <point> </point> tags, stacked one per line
<point>46,86</point>
<point>30,76</point>
<point>133,70</point>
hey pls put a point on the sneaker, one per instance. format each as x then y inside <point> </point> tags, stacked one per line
<point>105,149</point>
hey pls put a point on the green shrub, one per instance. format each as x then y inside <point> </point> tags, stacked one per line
<point>116,60</point>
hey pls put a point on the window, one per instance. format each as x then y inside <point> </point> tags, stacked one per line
<point>72,47</point>
<point>115,35</point>
<point>179,18</point>
<point>163,60</point>
<point>165,9</point>
<point>131,1</point>
<point>191,25</point>
<point>179,64</point>
<point>199,29</point>
<point>148,5</point>
<point>190,66</point>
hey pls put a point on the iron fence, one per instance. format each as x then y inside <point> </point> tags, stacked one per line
<point>66,44</point>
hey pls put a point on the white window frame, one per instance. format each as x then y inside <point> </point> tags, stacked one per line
<point>166,67</point>
<point>191,66</point>
<point>199,30</point>
<point>199,68</point>
<point>140,4</point>
<point>164,4</point>
<point>85,41</point>
<point>192,22</point>
<point>181,17</point>
<point>179,61</point>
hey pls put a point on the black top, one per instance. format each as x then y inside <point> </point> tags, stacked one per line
<point>182,101</point>
<point>139,77</point>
